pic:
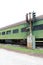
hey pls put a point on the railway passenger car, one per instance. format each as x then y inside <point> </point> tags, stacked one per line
<point>38,30</point>
<point>17,33</point>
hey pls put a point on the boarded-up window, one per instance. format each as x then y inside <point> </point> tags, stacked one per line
<point>15,31</point>
<point>38,27</point>
<point>3,33</point>
<point>8,32</point>
<point>23,30</point>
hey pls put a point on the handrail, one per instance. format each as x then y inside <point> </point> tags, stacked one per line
<point>38,41</point>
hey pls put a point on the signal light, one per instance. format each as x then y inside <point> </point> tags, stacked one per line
<point>34,16</point>
<point>27,18</point>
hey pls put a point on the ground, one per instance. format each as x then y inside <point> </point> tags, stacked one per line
<point>15,58</point>
<point>23,50</point>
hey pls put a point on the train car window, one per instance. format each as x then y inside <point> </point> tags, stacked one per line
<point>8,32</point>
<point>27,30</point>
<point>23,29</point>
<point>3,33</point>
<point>15,31</point>
<point>38,27</point>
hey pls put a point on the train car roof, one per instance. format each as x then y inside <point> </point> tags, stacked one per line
<point>13,25</point>
<point>39,17</point>
<point>21,22</point>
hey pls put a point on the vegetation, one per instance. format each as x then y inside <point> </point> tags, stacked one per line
<point>21,49</point>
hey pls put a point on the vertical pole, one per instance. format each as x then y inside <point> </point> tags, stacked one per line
<point>30,24</point>
<point>29,38</point>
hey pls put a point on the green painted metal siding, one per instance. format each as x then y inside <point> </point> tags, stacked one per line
<point>22,35</point>
<point>38,22</point>
<point>38,33</point>
<point>19,35</point>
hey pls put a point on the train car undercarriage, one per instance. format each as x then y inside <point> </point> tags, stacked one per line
<point>38,42</point>
<point>14,41</point>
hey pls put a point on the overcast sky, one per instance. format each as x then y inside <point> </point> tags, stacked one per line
<point>13,11</point>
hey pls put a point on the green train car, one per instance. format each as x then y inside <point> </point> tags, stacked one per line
<point>19,32</point>
<point>15,32</point>
<point>38,28</point>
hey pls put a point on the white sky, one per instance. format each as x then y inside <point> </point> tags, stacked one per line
<point>13,11</point>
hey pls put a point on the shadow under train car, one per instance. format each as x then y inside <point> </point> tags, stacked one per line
<point>14,41</point>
